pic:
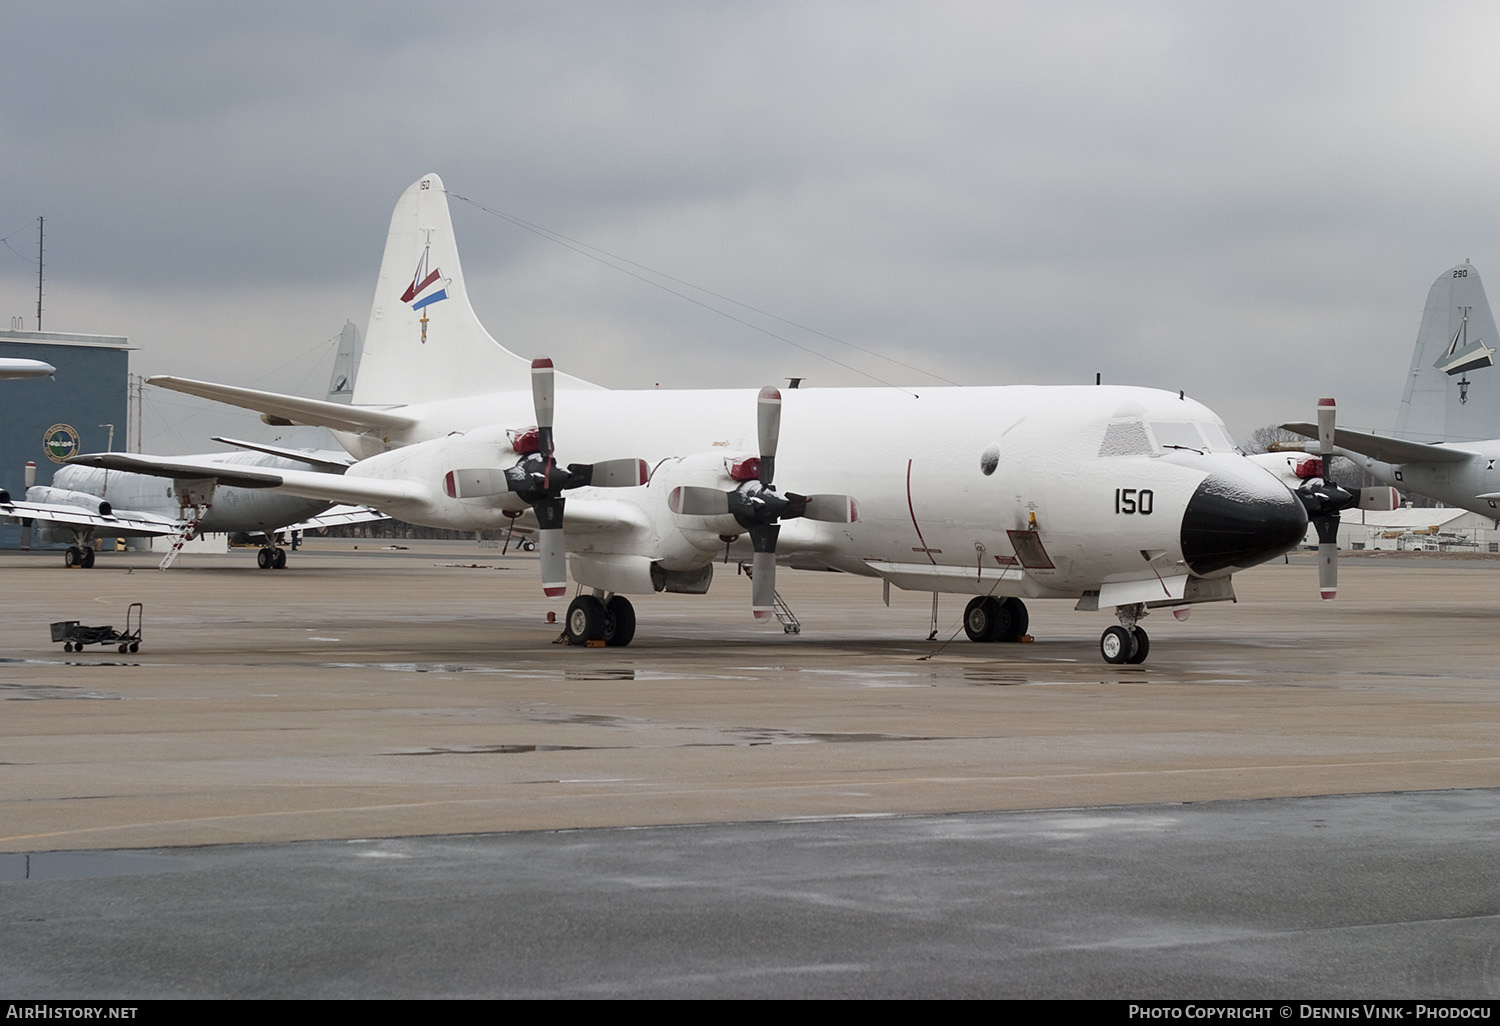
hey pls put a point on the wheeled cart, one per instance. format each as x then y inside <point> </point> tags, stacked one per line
<point>75,635</point>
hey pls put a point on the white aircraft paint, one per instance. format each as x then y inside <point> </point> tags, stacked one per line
<point>1106,495</point>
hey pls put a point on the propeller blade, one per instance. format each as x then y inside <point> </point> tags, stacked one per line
<point>553,550</point>
<point>763,585</point>
<point>552,546</point>
<point>1328,525</point>
<point>1381,499</point>
<point>542,399</point>
<point>26,535</point>
<point>475,483</point>
<point>1327,411</point>
<point>768,430</point>
<point>1328,570</point>
<point>831,509</point>
<point>619,473</point>
<point>693,501</point>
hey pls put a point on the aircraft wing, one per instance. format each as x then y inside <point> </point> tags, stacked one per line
<point>124,523</point>
<point>290,408</point>
<point>1386,449</point>
<point>363,491</point>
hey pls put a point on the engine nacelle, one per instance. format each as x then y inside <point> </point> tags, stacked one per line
<point>67,497</point>
<point>691,542</point>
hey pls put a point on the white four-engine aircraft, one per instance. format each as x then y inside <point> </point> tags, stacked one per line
<point>1447,438</point>
<point>1108,496</point>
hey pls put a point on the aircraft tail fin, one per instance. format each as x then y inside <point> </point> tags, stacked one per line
<point>1453,389</point>
<point>346,365</point>
<point>424,341</point>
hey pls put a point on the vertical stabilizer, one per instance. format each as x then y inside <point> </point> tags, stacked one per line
<point>1453,388</point>
<point>423,341</point>
<point>345,365</point>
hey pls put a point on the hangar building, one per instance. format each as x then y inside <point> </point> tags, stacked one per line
<point>46,420</point>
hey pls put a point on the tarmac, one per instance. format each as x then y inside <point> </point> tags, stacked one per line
<point>1332,765</point>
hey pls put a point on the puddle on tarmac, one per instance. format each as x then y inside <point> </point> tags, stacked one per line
<point>50,692</point>
<point>77,865</point>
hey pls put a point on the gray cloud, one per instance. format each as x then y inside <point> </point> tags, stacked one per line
<point>1245,200</point>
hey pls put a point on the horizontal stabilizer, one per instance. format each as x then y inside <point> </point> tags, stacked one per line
<point>293,409</point>
<point>320,459</point>
<point>1384,448</point>
<point>338,516</point>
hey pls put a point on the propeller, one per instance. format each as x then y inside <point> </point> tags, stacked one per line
<point>758,507</point>
<point>1324,499</point>
<point>1326,502</point>
<point>540,480</point>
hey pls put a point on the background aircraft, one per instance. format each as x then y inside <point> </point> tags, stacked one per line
<point>83,503</point>
<point>14,367</point>
<point>1447,436</point>
<point>1106,496</point>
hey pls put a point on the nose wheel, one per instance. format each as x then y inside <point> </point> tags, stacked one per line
<point>1127,642</point>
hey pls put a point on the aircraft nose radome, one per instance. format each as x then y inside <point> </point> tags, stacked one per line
<point>1236,522</point>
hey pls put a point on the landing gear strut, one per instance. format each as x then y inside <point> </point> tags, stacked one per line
<point>591,618</point>
<point>992,619</point>
<point>1128,642</point>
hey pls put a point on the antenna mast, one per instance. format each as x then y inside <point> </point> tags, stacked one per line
<point>40,222</point>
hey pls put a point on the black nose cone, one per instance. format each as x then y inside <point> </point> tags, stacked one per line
<point>1233,522</point>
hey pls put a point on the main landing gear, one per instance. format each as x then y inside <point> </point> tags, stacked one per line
<point>80,556</point>
<point>271,558</point>
<point>598,619</point>
<point>992,619</point>
<point>1128,642</point>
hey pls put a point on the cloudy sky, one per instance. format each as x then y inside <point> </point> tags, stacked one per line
<point>1244,200</point>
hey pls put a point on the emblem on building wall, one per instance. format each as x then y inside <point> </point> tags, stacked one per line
<point>61,443</point>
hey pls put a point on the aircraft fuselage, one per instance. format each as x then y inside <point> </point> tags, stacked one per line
<point>1047,491</point>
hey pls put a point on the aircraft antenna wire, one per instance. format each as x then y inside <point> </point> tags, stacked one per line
<point>615,261</point>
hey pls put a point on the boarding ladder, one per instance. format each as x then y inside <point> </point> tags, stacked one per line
<point>189,528</point>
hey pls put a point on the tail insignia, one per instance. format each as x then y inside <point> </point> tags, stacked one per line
<point>417,292</point>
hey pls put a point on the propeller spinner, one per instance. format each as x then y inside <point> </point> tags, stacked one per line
<point>540,480</point>
<point>758,507</point>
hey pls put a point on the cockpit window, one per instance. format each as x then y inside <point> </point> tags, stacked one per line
<point>1218,438</point>
<point>1126,438</point>
<point>1132,436</point>
<point>1177,434</point>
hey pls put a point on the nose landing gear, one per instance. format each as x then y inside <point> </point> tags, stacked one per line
<point>1128,642</point>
